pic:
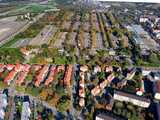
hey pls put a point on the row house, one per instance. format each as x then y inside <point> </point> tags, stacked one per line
<point>14,70</point>
<point>10,77</point>
<point>41,76</point>
<point>108,69</point>
<point>10,66</point>
<point>18,67</point>
<point>22,75</point>
<point>51,76</point>
<point>60,68</point>
<point>131,74</point>
<point>2,68</point>
<point>83,69</point>
<point>82,90</point>
<point>68,75</point>
<point>95,91</point>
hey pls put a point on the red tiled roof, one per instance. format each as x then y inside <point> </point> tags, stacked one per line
<point>110,78</point>
<point>10,76</point>
<point>18,67</point>
<point>68,75</point>
<point>22,75</point>
<point>51,75</point>
<point>41,75</point>
<point>95,91</point>
<point>10,66</point>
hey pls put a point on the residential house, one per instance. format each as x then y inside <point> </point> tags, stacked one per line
<point>68,75</point>
<point>110,78</point>
<point>84,68</point>
<point>10,77</point>
<point>41,76</point>
<point>2,67</point>
<point>108,69</point>
<point>22,75</point>
<point>81,93</point>
<point>96,90</point>
<point>18,67</point>
<point>134,99</point>
<point>81,90</point>
<point>107,116</point>
<point>143,19</point>
<point>10,66</point>
<point>51,76</point>
<point>131,74</point>
<point>97,69</point>
<point>81,102</point>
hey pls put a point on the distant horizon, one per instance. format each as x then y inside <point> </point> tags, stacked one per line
<point>145,1</point>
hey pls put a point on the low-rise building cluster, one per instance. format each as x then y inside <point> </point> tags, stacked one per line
<point>44,73</point>
<point>105,85</point>
<point>153,24</point>
<point>83,69</point>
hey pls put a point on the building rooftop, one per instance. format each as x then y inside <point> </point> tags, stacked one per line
<point>68,75</point>
<point>51,75</point>
<point>10,77</point>
<point>41,75</point>
<point>132,96</point>
<point>26,112</point>
<point>106,115</point>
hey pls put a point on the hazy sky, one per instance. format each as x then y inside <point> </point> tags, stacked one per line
<point>153,1</point>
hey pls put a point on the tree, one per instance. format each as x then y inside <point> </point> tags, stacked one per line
<point>63,103</point>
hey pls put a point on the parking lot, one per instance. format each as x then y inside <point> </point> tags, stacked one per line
<point>8,27</point>
<point>43,37</point>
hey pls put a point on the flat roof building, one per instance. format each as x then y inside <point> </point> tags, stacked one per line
<point>26,111</point>
<point>134,99</point>
<point>106,115</point>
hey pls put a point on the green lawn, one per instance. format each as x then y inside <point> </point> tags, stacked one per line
<point>2,85</point>
<point>10,55</point>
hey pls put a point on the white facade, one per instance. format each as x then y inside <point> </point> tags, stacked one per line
<point>3,105</point>
<point>143,19</point>
<point>26,112</point>
<point>134,101</point>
